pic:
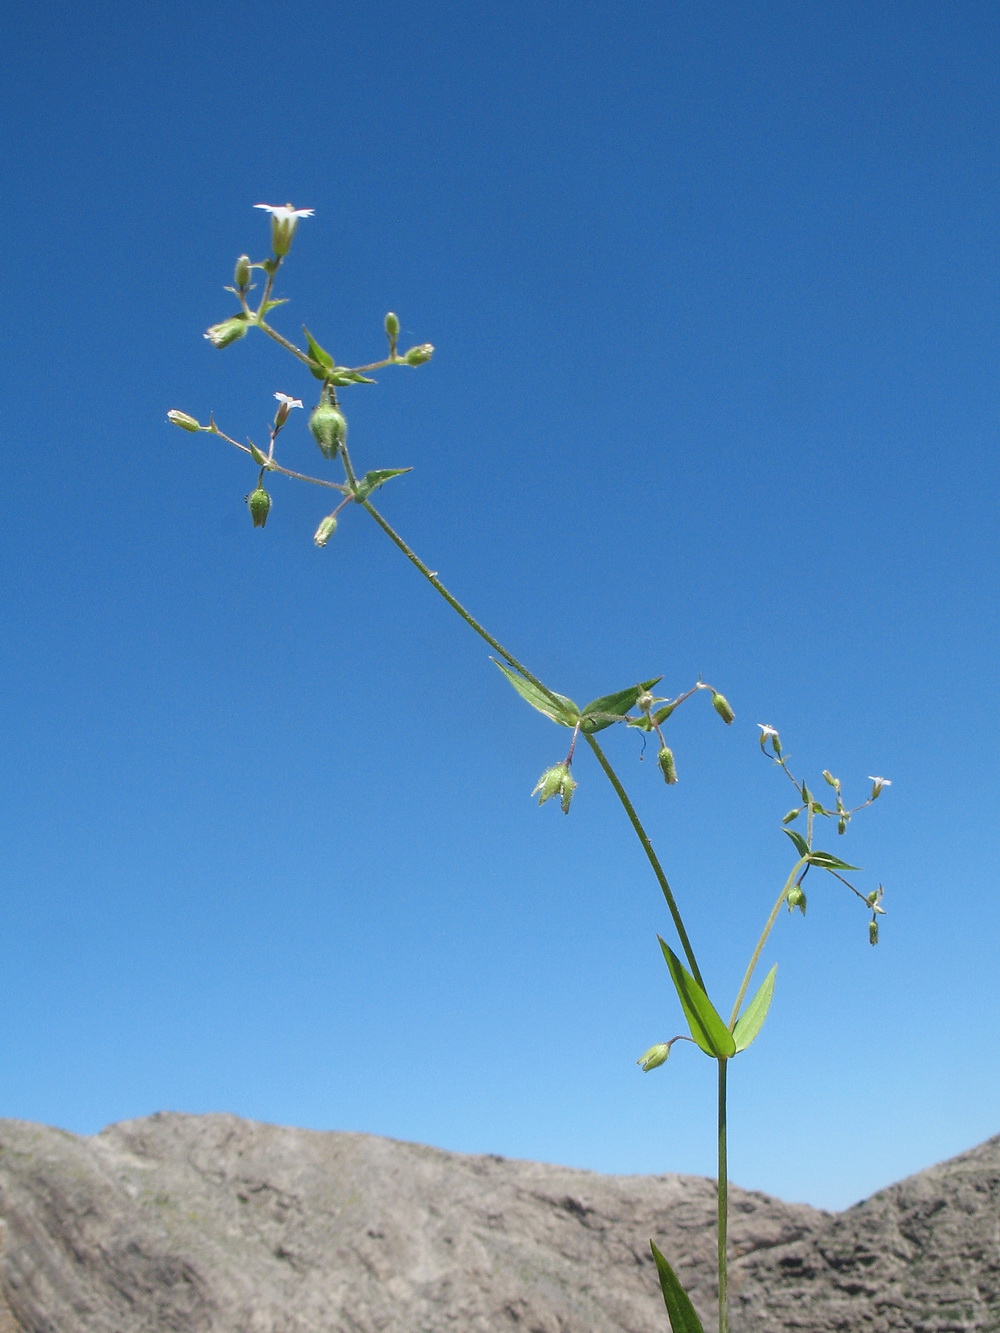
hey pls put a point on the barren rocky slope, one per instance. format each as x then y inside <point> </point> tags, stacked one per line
<point>211,1224</point>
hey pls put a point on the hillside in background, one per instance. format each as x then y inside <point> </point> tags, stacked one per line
<point>212,1224</point>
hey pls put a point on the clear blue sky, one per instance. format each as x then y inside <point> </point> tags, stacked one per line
<point>714,291</point>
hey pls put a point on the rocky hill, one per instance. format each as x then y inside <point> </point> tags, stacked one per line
<point>211,1224</point>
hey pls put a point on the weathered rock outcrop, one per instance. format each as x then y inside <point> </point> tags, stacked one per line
<point>211,1224</point>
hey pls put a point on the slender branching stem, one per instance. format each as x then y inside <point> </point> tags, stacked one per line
<point>768,926</point>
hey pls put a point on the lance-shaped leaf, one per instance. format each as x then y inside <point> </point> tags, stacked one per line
<point>372,480</point>
<point>268,306</point>
<point>340,375</point>
<point>601,713</point>
<point>801,845</point>
<point>752,1018</point>
<point>323,360</point>
<point>827,861</point>
<point>682,1314</point>
<point>704,1020</point>
<point>564,711</point>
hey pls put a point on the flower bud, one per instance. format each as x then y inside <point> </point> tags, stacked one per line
<point>241,274</point>
<point>556,781</point>
<point>841,825</point>
<point>666,761</point>
<point>183,420</point>
<point>834,782</point>
<point>416,356</point>
<point>260,506</point>
<point>792,815</point>
<point>392,330</point>
<point>721,705</point>
<point>329,428</point>
<point>654,1057</point>
<point>873,931</point>
<point>229,331</point>
<point>325,530</point>
<point>796,898</point>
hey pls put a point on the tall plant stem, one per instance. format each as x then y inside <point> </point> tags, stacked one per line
<point>651,856</point>
<point>602,759</point>
<point>723,1203</point>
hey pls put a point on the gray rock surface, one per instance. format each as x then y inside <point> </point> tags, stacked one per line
<point>211,1224</point>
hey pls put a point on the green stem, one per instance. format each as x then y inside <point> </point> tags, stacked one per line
<point>651,856</point>
<point>723,1201</point>
<point>748,974</point>
<point>612,776</point>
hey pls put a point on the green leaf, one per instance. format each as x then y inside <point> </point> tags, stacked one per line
<point>256,454</point>
<point>682,1315</point>
<point>752,1018</point>
<point>323,360</point>
<point>371,481</point>
<point>704,1021</point>
<point>565,712</point>
<point>268,306</point>
<point>615,704</point>
<point>801,845</point>
<point>340,375</point>
<point>827,861</point>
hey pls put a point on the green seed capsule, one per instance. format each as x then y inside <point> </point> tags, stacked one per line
<point>873,931</point>
<point>325,530</point>
<point>416,356</point>
<point>182,419</point>
<point>721,705</point>
<point>260,506</point>
<point>667,767</point>
<point>796,898</point>
<point>229,331</point>
<point>329,428</point>
<point>654,1057</point>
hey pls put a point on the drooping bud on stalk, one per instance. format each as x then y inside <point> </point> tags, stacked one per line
<point>834,782</point>
<point>796,898</point>
<point>665,759</point>
<point>416,356</point>
<point>325,530</point>
<point>792,815</point>
<point>241,274</point>
<point>329,427</point>
<point>260,506</point>
<point>556,781</point>
<point>873,931</point>
<point>184,421</point>
<point>721,705</point>
<point>229,331</point>
<point>654,1057</point>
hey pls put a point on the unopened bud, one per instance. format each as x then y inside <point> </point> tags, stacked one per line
<point>329,428</point>
<point>666,761</point>
<point>183,420</point>
<point>721,705</point>
<point>654,1057</point>
<point>841,825</point>
<point>796,898</point>
<point>392,327</point>
<point>792,815</point>
<point>229,331</point>
<point>416,356</point>
<point>556,781</point>
<point>325,530</point>
<point>260,506</point>
<point>834,782</point>
<point>241,274</point>
<point>873,931</point>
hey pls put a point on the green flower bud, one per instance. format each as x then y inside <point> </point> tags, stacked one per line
<point>260,506</point>
<point>796,898</point>
<point>834,782</point>
<point>241,274</point>
<point>229,331</point>
<point>556,781</point>
<point>416,356</point>
<point>841,825</point>
<point>721,705</point>
<point>329,428</point>
<point>792,815</point>
<point>183,420</point>
<point>654,1057</point>
<point>666,761</point>
<point>873,931</point>
<point>325,530</point>
<point>392,331</point>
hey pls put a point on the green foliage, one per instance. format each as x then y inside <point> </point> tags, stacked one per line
<point>682,1314</point>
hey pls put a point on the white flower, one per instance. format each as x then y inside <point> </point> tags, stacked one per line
<point>287,402</point>
<point>880,782</point>
<point>285,212</point>
<point>767,731</point>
